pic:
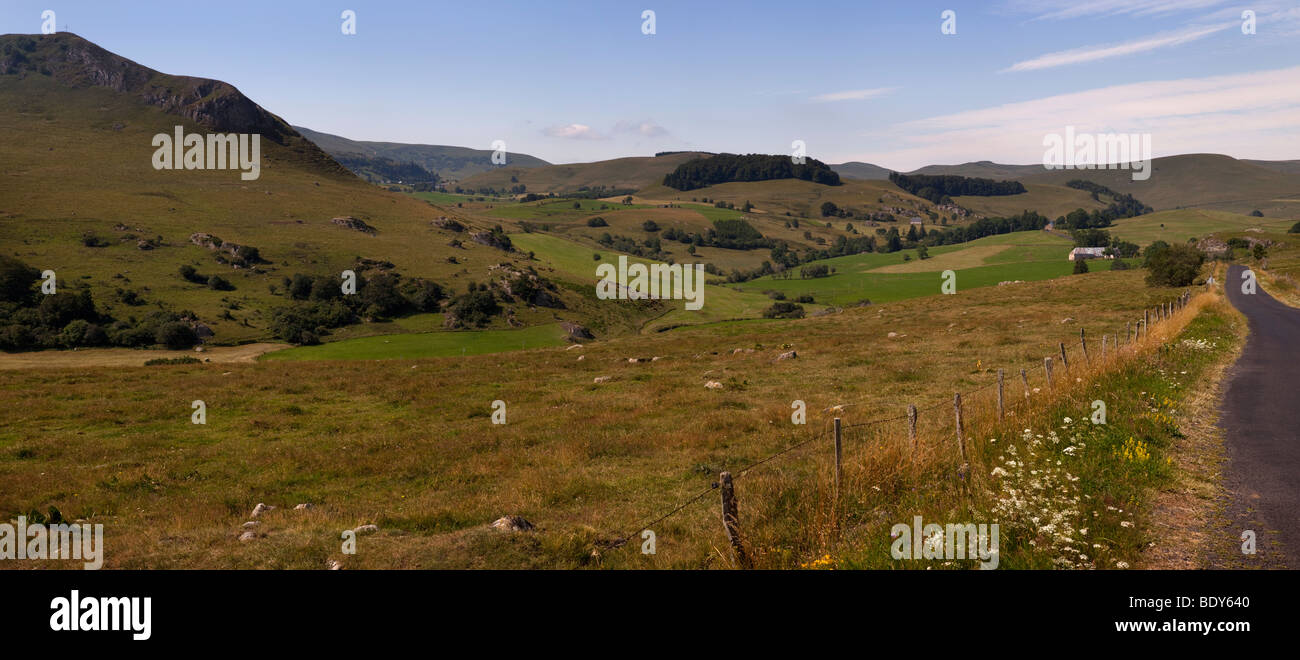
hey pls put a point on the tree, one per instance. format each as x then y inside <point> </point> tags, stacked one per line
<point>829,209</point>
<point>1080,265</point>
<point>1257,213</point>
<point>1174,266</point>
<point>16,280</point>
<point>176,335</point>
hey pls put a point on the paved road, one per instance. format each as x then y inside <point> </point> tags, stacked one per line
<point>1261,423</point>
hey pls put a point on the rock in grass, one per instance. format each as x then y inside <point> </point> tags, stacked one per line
<point>512,523</point>
<point>247,536</point>
<point>366,529</point>
<point>600,379</point>
<point>250,524</point>
<point>260,509</point>
<point>713,385</point>
<point>304,506</point>
<point>787,356</point>
<point>334,564</point>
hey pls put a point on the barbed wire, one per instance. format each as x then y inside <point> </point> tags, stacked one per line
<point>622,540</point>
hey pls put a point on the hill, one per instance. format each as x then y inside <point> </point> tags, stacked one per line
<point>859,170</point>
<point>449,163</point>
<point>82,199</point>
<point>619,174</point>
<point>1209,181</point>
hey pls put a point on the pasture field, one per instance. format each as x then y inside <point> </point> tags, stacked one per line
<point>883,277</point>
<point>1179,225</point>
<point>408,444</point>
<point>428,344</point>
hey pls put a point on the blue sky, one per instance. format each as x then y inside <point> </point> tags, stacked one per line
<point>870,81</point>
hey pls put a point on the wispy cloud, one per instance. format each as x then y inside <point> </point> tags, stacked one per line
<point>644,128</point>
<point>852,95</point>
<point>1101,52</point>
<point>572,132</point>
<point>1067,9</point>
<point>1247,115</point>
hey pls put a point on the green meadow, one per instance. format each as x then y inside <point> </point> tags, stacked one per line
<point>427,345</point>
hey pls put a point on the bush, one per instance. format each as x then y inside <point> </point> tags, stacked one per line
<point>1174,266</point>
<point>1295,229</point>
<point>783,310</point>
<point>1080,266</point>
<point>1119,264</point>
<point>184,359</point>
<point>176,335</point>
<point>650,226</point>
<point>219,283</point>
<point>597,222</point>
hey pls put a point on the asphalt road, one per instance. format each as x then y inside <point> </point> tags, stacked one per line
<point>1261,423</point>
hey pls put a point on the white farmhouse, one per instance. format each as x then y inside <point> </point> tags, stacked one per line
<point>1089,253</point>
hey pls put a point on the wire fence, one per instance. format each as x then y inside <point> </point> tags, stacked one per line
<point>924,429</point>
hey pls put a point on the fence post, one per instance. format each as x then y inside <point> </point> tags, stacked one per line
<point>1001,405</point>
<point>1103,347</point>
<point>961,436</point>
<point>839,459</point>
<point>1146,318</point>
<point>1047,365</point>
<point>1065,362</point>
<point>731,521</point>
<point>1083,341</point>
<point>1024,377</point>
<point>911,428</point>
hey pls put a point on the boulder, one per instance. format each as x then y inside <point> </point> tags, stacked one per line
<point>355,224</point>
<point>512,523</point>
<point>260,509</point>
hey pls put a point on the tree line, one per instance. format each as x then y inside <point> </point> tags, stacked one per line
<point>725,168</point>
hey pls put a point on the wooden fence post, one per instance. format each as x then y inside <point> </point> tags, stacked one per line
<point>731,520</point>
<point>1002,411</point>
<point>1065,362</point>
<point>911,428</point>
<point>1103,347</point>
<point>1083,341</point>
<point>1146,318</point>
<point>839,459</point>
<point>1047,364</point>
<point>961,436</point>
<point>1024,378</point>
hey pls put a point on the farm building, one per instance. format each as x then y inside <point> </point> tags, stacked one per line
<point>1089,253</point>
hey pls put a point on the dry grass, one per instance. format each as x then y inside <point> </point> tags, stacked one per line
<point>408,445</point>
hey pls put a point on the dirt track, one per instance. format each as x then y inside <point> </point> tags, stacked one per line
<point>127,357</point>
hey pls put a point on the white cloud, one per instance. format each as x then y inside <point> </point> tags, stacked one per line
<point>1247,115</point>
<point>1094,53</point>
<point>852,95</point>
<point>572,132</point>
<point>644,128</point>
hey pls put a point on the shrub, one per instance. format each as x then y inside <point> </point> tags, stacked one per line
<point>597,222</point>
<point>176,335</point>
<point>1295,229</point>
<point>1119,264</point>
<point>783,310</point>
<point>650,226</point>
<point>1080,266</point>
<point>219,283</point>
<point>16,280</point>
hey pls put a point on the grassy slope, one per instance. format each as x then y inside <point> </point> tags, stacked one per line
<point>1179,225</point>
<point>54,134</point>
<point>413,450</point>
<point>428,344</point>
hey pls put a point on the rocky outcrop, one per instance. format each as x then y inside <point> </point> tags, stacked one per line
<point>355,224</point>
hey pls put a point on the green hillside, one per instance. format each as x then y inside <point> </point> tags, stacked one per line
<point>449,163</point>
